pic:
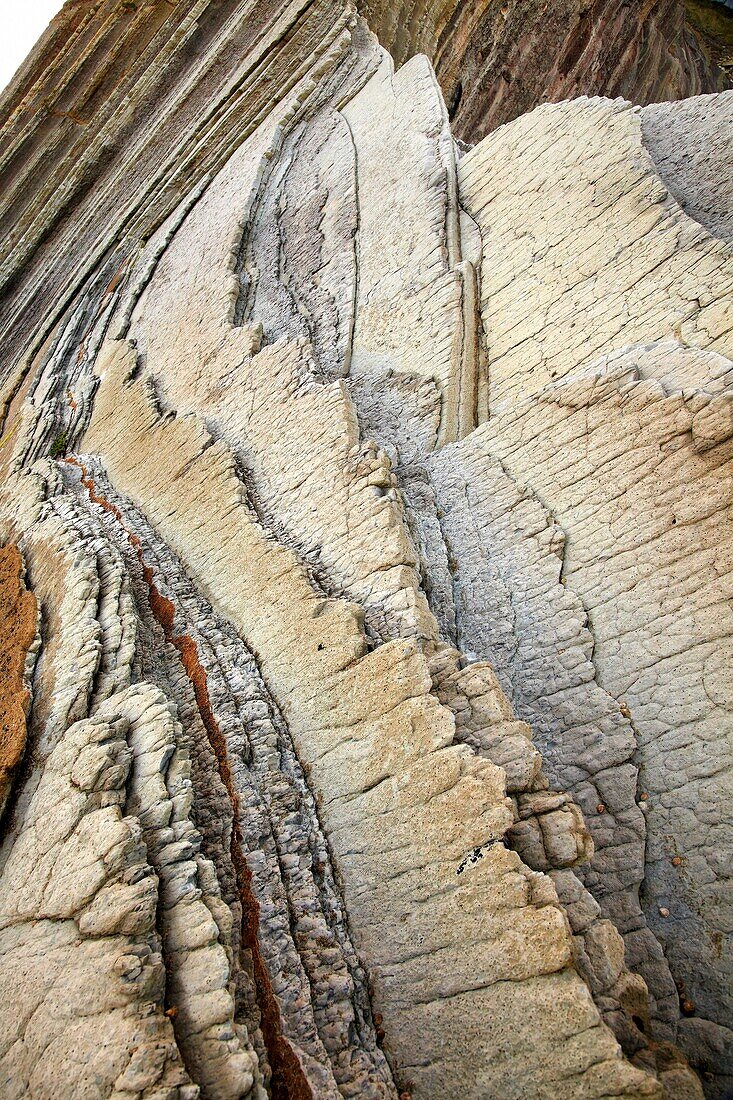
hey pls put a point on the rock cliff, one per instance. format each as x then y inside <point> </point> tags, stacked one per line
<point>365,555</point>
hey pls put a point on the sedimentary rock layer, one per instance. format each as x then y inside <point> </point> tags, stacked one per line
<point>497,61</point>
<point>377,740</point>
<point>605,576</point>
<point>18,643</point>
<point>122,108</point>
<point>636,268</point>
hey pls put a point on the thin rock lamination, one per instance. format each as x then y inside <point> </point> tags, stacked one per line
<point>284,826</point>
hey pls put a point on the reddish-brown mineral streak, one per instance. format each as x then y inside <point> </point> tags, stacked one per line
<point>18,617</point>
<point>289,1082</point>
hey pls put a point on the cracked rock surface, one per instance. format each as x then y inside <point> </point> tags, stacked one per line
<point>364,567</point>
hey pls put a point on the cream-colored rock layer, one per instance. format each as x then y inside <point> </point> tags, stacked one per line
<point>380,289</point>
<point>245,397</point>
<point>584,248</point>
<point>102,870</point>
<point>77,926</point>
<point>691,144</point>
<point>402,806</point>
<point>412,284</point>
<point>319,292</point>
<point>72,583</point>
<point>315,485</point>
<point>323,490</point>
<point>511,606</point>
<point>593,271</point>
<point>639,478</point>
<point>79,899</point>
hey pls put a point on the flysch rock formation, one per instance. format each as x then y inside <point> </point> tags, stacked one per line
<point>365,563</point>
<point>496,61</point>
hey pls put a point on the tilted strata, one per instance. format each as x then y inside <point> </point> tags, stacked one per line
<point>600,506</point>
<point>637,269</point>
<point>335,475</point>
<point>614,483</point>
<point>496,61</point>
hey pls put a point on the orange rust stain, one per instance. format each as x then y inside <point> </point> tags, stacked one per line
<point>71,117</point>
<point>18,618</point>
<point>288,1079</point>
<point>72,403</point>
<point>116,278</point>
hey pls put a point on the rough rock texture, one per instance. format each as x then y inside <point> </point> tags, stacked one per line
<point>635,268</point>
<point>373,500</point>
<point>496,61</point>
<point>605,574</point>
<point>18,645</point>
<point>691,144</point>
<point>123,107</point>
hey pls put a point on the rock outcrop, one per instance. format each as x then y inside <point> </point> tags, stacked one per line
<point>496,61</point>
<point>364,559</point>
<point>19,642</point>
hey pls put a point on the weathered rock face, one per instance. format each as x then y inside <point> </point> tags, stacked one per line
<point>594,449</point>
<point>364,559</point>
<point>18,643</point>
<point>123,108</point>
<point>496,60</point>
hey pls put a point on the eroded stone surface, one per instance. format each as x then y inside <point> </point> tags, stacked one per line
<point>18,645</point>
<point>344,707</point>
<point>615,469</point>
<point>605,607</point>
<point>604,258</point>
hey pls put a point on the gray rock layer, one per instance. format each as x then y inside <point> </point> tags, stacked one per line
<point>374,498</point>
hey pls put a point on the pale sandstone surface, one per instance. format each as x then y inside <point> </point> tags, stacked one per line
<point>122,108</point>
<point>593,481</point>
<point>593,513</point>
<point>322,691</point>
<point>635,269</point>
<point>691,144</point>
<point>363,741</point>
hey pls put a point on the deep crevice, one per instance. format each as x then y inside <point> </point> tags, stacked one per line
<point>288,1082</point>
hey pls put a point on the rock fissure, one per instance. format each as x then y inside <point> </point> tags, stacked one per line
<point>288,1080</point>
<point>397,562</point>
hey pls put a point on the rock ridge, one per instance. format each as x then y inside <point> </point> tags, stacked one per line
<point>364,538</point>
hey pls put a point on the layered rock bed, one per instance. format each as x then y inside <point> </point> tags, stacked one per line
<point>365,564</point>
